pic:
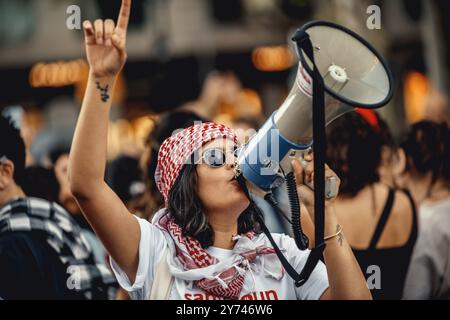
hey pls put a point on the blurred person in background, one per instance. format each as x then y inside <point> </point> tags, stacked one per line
<point>40,182</point>
<point>219,88</point>
<point>245,128</point>
<point>43,254</point>
<point>381,222</point>
<point>427,175</point>
<point>124,176</point>
<point>206,209</point>
<point>437,108</point>
<point>392,156</point>
<point>59,158</point>
<point>425,171</point>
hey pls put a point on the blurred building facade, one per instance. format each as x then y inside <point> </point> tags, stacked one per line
<point>173,44</point>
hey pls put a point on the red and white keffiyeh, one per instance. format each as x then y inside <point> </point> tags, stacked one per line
<point>177,150</point>
<point>189,260</point>
<point>223,279</point>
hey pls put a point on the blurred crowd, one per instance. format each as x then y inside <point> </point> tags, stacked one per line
<point>394,201</point>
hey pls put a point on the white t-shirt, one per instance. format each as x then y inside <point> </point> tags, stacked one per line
<point>429,271</point>
<point>152,247</point>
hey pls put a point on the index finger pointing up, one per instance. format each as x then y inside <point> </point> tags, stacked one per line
<point>124,16</point>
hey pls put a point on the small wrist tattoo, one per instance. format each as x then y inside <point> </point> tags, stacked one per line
<point>104,92</point>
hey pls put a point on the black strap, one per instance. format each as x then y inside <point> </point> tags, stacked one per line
<point>413,205</point>
<point>287,266</point>
<point>301,278</point>
<point>414,230</point>
<point>304,42</point>
<point>320,144</point>
<point>313,258</point>
<point>383,219</point>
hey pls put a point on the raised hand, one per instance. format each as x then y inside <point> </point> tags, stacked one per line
<point>106,43</point>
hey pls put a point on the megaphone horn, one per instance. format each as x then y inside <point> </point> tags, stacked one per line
<point>355,76</point>
<point>338,70</point>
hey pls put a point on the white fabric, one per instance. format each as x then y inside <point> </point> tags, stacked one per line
<point>259,285</point>
<point>163,281</point>
<point>429,271</point>
<point>269,263</point>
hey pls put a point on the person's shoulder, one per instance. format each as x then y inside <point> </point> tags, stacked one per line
<point>32,206</point>
<point>21,243</point>
<point>403,204</point>
<point>438,210</point>
<point>9,238</point>
<point>436,220</point>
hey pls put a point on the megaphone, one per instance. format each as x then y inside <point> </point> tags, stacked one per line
<point>355,76</point>
<point>338,71</point>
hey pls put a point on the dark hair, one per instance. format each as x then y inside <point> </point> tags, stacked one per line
<point>427,147</point>
<point>385,133</point>
<point>354,152</point>
<point>41,183</point>
<point>122,174</point>
<point>186,208</point>
<point>57,152</point>
<point>12,147</point>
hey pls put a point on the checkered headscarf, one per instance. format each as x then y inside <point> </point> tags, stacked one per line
<point>177,150</point>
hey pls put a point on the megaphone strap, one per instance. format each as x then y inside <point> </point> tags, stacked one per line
<point>319,136</point>
<point>311,262</point>
<point>304,43</point>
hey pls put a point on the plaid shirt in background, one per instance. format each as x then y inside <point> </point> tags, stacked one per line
<point>63,234</point>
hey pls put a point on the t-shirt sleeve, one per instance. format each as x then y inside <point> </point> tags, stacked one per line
<point>152,246</point>
<point>317,283</point>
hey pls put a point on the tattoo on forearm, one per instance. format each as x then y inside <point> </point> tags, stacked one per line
<point>104,92</point>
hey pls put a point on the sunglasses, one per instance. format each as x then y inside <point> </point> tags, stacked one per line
<point>216,157</point>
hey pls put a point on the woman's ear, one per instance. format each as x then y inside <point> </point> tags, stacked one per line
<point>399,165</point>
<point>6,174</point>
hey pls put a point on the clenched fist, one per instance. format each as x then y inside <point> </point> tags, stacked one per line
<point>305,182</point>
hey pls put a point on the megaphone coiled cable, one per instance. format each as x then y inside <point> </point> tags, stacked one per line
<point>300,237</point>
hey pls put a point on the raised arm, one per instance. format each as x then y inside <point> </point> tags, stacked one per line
<point>117,229</point>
